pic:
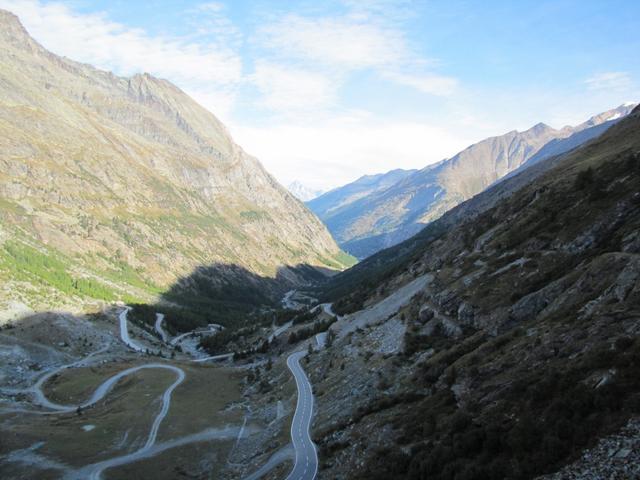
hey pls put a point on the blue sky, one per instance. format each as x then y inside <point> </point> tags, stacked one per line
<point>324,92</point>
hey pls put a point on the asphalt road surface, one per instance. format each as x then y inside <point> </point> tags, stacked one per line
<point>306,456</point>
<point>159,329</point>
<point>124,331</point>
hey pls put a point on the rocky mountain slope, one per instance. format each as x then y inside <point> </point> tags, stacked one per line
<point>390,215</point>
<point>336,207</point>
<point>500,342</point>
<point>115,187</point>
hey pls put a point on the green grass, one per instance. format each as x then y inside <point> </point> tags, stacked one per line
<point>345,259</point>
<point>123,273</point>
<point>254,215</point>
<point>27,263</point>
<point>10,207</point>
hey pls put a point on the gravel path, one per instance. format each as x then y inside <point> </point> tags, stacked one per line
<point>382,310</point>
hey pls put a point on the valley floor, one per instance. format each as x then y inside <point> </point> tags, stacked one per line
<point>80,398</point>
<point>100,397</point>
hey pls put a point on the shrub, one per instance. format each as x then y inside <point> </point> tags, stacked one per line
<point>584,179</point>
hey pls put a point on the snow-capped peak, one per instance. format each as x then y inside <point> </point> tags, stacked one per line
<point>302,192</point>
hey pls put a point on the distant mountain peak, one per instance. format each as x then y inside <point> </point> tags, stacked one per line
<point>613,114</point>
<point>539,128</point>
<point>365,220</point>
<point>302,192</point>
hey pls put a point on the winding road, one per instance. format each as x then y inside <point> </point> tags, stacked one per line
<point>103,389</point>
<point>124,334</point>
<point>36,389</point>
<point>214,358</point>
<point>94,471</point>
<point>151,447</point>
<point>158,325</point>
<point>101,392</point>
<point>279,331</point>
<point>176,340</point>
<point>306,455</point>
<point>124,331</point>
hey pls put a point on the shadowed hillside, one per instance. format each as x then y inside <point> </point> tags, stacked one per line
<point>521,349</point>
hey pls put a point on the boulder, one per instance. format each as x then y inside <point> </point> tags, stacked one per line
<point>466,313</point>
<point>425,314</point>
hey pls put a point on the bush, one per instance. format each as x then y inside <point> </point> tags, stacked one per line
<point>533,426</point>
<point>584,179</point>
<point>304,333</point>
<point>587,181</point>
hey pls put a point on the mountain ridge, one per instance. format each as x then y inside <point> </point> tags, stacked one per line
<point>129,174</point>
<point>389,216</point>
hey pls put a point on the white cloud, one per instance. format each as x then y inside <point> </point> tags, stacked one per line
<point>390,9</point>
<point>430,84</point>
<point>290,90</point>
<point>367,36</point>
<point>209,21</point>
<point>609,81</point>
<point>335,42</point>
<point>210,7</point>
<point>94,39</point>
<point>332,153</point>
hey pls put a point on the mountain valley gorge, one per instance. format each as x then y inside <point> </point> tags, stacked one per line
<point>134,185</point>
<point>169,310</point>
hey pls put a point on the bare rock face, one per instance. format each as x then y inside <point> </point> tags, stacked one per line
<point>425,314</point>
<point>466,313</point>
<point>112,171</point>
<point>531,305</point>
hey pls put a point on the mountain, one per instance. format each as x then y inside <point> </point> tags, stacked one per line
<point>583,133</point>
<point>388,216</point>
<point>115,187</point>
<point>502,341</point>
<point>335,208</point>
<point>302,192</point>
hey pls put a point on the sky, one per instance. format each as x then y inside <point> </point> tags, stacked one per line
<point>324,92</point>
